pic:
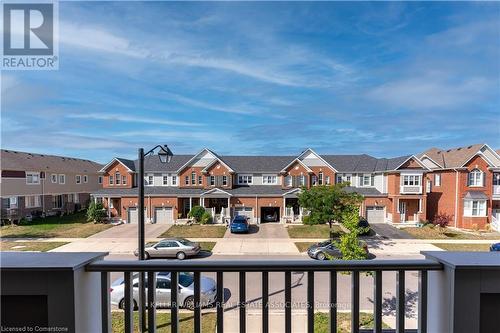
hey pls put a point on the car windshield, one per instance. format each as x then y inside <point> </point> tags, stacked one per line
<point>325,243</point>
<point>239,221</point>
<point>185,242</point>
<point>186,279</point>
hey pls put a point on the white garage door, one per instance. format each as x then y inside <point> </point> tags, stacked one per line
<point>133,216</point>
<point>375,214</point>
<point>245,211</point>
<point>164,215</point>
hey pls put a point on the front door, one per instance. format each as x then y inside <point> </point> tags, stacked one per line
<point>402,211</point>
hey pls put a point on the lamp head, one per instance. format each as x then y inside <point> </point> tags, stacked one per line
<point>165,154</point>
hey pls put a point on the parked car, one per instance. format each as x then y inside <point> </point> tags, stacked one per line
<point>495,247</point>
<point>179,248</point>
<point>239,224</point>
<point>163,289</point>
<point>325,249</point>
<point>363,223</point>
<point>270,217</point>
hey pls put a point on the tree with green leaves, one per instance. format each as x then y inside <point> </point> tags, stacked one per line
<point>327,203</point>
<point>96,212</point>
<point>349,243</point>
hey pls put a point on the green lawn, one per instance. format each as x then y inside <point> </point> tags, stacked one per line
<point>70,226</point>
<point>186,322</point>
<point>321,322</point>
<point>207,246</point>
<point>463,247</point>
<point>430,232</point>
<point>303,246</point>
<point>313,231</point>
<point>29,246</point>
<point>195,231</point>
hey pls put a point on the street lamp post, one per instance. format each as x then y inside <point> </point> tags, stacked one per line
<point>165,155</point>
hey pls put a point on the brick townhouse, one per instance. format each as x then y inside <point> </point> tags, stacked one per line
<point>264,188</point>
<point>465,184</point>
<point>39,184</point>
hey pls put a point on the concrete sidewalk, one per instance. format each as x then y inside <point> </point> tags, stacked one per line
<point>240,246</point>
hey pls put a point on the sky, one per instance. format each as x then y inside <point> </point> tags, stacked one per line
<point>252,78</point>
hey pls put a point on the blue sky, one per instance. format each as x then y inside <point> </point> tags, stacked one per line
<point>385,79</point>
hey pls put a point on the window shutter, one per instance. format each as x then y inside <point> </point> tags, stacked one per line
<point>360,180</point>
<point>483,179</point>
<point>372,180</point>
<point>208,181</point>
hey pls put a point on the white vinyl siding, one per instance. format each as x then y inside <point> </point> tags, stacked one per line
<point>475,208</point>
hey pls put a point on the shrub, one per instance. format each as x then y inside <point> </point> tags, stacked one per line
<point>197,213</point>
<point>205,218</point>
<point>96,212</point>
<point>307,220</point>
<point>442,220</point>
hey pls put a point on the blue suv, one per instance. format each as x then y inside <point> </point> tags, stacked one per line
<point>239,224</point>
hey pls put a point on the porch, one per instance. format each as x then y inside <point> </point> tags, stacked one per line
<point>409,210</point>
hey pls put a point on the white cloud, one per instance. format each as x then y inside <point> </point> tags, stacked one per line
<point>134,119</point>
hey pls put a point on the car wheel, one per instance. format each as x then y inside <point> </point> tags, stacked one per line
<point>321,256</point>
<point>147,256</point>
<point>181,255</point>
<point>121,305</point>
<point>189,303</point>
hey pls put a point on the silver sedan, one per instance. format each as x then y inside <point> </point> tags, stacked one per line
<point>179,248</point>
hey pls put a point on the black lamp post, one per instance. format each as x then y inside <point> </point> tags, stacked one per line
<point>165,155</point>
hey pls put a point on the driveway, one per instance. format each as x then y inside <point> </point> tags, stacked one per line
<point>263,239</point>
<point>387,231</point>
<point>131,231</point>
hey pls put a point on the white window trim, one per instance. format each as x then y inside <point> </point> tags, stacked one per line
<point>85,178</point>
<point>266,178</point>
<point>78,179</point>
<point>52,178</point>
<point>63,179</point>
<point>174,180</point>
<point>369,175</point>
<point>245,179</point>
<point>12,202</point>
<point>36,201</point>
<point>414,175</point>
<point>288,180</point>
<point>469,208</point>
<point>147,178</point>
<point>33,173</point>
<point>124,180</point>
<point>481,178</point>
<point>163,177</point>
<point>437,179</point>
<point>99,179</point>
<point>212,181</point>
<point>224,181</point>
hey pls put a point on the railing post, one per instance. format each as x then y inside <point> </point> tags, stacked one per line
<point>288,302</point>
<point>400,301</point>
<point>105,303</point>
<point>174,303</point>
<point>422,302</point>
<point>152,302</point>
<point>197,303</point>
<point>355,301</point>
<point>377,296</point>
<point>333,302</point>
<point>310,301</point>
<point>220,302</point>
<point>265,302</point>
<point>243,323</point>
<point>129,303</point>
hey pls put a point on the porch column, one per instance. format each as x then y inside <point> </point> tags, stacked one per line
<point>202,200</point>
<point>228,213</point>
<point>190,203</point>
<point>109,209</point>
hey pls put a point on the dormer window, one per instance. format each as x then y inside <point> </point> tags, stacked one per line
<point>475,178</point>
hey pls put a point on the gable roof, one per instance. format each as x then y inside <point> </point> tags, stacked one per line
<point>257,164</point>
<point>22,161</point>
<point>364,163</point>
<point>298,161</point>
<point>454,157</point>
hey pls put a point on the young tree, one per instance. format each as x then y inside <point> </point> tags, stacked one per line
<point>326,203</point>
<point>349,243</point>
<point>197,213</point>
<point>96,212</point>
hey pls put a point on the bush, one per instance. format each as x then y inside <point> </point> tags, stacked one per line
<point>206,218</point>
<point>96,212</point>
<point>196,213</point>
<point>442,220</point>
<point>307,220</point>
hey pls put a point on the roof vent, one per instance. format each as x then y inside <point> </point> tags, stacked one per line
<point>469,147</point>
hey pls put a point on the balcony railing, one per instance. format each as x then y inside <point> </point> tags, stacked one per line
<point>407,189</point>
<point>265,267</point>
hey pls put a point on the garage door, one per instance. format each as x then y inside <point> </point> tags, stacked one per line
<point>245,211</point>
<point>164,215</point>
<point>133,215</point>
<point>375,214</point>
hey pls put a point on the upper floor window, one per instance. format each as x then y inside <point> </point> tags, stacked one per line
<point>174,180</point>
<point>496,179</point>
<point>224,180</point>
<point>200,180</point>
<point>111,182</point>
<point>475,178</point>
<point>124,180</point>
<point>288,181</point>
<point>411,180</point>
<point>186,180</point>
<point>475,208</point>
<point>85,178</point>
<point>53,178</point>
<point>366,180</point>
<point>437,179</point>
<point>320,178</point>
<point>118,178</point>
<point>150,180</point>
<point>62,179</point>
<point>32,178</point>
<point>193,178</point>
<point>314,180</point>
<point>165,180</point>
<point>339,179</point>
<point>99,179</point>
<point>78,179</point>
<point>245,179</point>
<point>212,180</point>
<point>302,180</point>
<point>269,179</point>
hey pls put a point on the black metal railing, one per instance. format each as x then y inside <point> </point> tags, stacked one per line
<point>128,267</point>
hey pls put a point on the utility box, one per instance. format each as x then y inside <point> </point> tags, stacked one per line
<point>465,296</point>
<point>50,292</point>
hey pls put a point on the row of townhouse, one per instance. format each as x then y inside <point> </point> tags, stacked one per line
<point>34,185</point>
<point>462,182</point>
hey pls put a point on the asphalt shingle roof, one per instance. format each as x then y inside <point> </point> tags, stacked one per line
<point>363,163</point>
<point>21,161</point>
<point>257,163</point>
<point>454,157</point>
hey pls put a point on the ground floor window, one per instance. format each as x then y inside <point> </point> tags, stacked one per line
<point>76,198</point>
<point>12,202</point>
<point>57,201</point>
<point>475,208</point>
<point>32,201</point>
